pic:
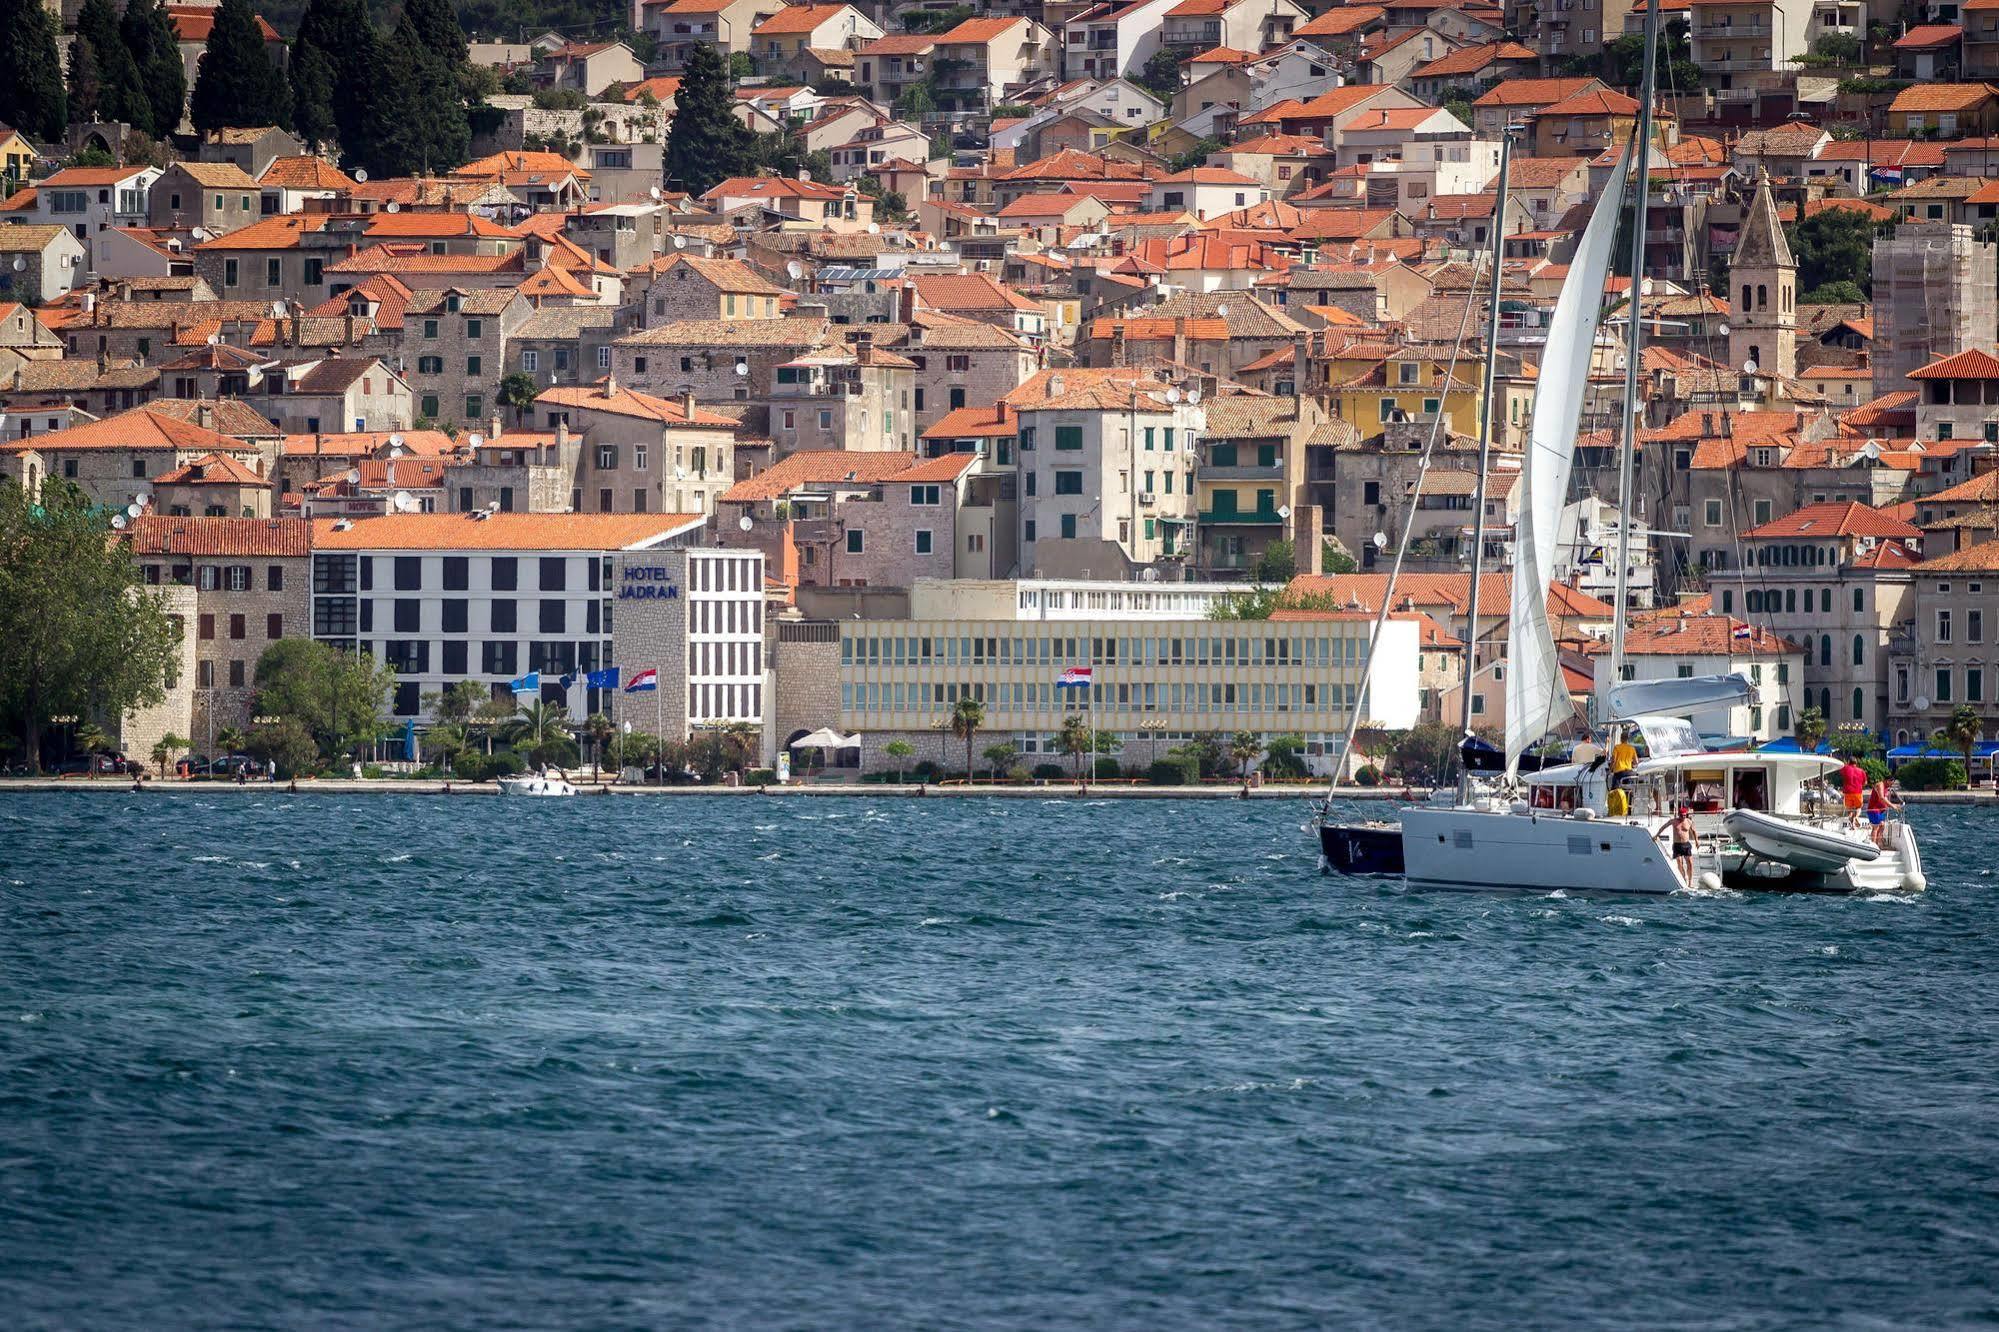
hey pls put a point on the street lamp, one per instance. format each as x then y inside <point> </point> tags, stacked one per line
<point>1152,728</point>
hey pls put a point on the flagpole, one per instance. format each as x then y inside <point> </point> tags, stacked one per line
<point>659,727</point>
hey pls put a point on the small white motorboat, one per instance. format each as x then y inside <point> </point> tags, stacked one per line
<point>536,784</point>
<point>1819,847</point>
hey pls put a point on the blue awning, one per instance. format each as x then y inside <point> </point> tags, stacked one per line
<point>1789,745</point>
<point>1984,749</point>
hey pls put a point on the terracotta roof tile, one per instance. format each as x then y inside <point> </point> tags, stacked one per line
<point>155,534</point>
<point>501,531</point>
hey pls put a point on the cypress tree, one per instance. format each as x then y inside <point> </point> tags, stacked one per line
<point>86,80</point>
<point>340,31</point>
<point>237,84</point>
<point>435,24</point>
<point>414,119</point>
<point>32,98</point>
<point>706,144</point>
<point>312,97</point>
<point>155,46</point>
<point>120,94</point>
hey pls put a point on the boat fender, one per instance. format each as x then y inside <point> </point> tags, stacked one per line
<point>1916,882</point>
<point>1519,807</point>
<point>1583,812</point>
<point>1710,881</point>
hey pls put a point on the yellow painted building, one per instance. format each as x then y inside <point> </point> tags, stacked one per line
<point>1405,388</point>
<point>16,158</point>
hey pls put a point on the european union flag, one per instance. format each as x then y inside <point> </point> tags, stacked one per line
<point>604,679</point>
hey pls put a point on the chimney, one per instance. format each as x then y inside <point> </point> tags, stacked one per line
<point>204,416</point>
<point>687,404</point>
<point>610,386</point>
<point>1301,362</point>
<point>908,301</point>
<point>493,427</point>
<point>348,331</point>
<point>864,346</point>
<point>561,437</point>
<point>1179,339</point>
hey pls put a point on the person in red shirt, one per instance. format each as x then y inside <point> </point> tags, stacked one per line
<point>1853,781</point>
<point>1879,802</point>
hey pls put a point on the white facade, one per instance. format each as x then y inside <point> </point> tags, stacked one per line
<point>1099,475</point>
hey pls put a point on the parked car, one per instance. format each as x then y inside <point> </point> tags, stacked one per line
<point>228,765</point>
<point>191,765</point>
<point>101,765</point>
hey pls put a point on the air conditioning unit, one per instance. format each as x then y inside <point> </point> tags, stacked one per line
<point>1146,499</point>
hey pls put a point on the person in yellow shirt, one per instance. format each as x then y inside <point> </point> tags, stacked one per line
<point>1623,758</point>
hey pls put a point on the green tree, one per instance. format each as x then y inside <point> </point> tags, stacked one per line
<point>32,97</point>
<point>434,25</point>
<point>237,84</point>
<point>340,698</point>
<point>414,120</point>
<point>228,740</point>
<point>166,747</point>
<point>79,631</point>
<point>1196,156</point>
<point>901,751</point>
<point>740,740</point>
<point>1076,739</point>
<point>286,742</point>
<point>598,729</point>
<point>1244,747</point>
<point>121,93</point>
<point>1809,730</point>
<point>150,38</point>
<point>1161,75</point>
<point>1834,245</point>
<point>1277,564</point>
<point>1677,69</point>
<point>966,719</point>
<point>447,743</point>
<point>456,704</point>
<point>93,740</point>
<point>1963,732</point>
<point>85,82</point>
<point>517,393</point>
<point>1284,756</point>
<point>706,144</point>
<point>343,38</point>
<point>1333,560</point>
<point>312,79</point>
<point>1853,743</point>
<point>1000,757</point>
<point>1834,293</point>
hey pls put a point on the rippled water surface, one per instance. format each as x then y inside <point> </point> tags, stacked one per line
<point>372,1061</point>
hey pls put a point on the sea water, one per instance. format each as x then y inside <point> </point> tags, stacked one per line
<point>272,1060</point>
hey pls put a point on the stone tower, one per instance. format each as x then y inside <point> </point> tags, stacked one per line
<point>1763,291</point>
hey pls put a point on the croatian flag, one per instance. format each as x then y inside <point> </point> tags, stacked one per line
<point>1076,677</point>
<point>527,684</point>
<point>642,681</point>
<point>1743,631</point>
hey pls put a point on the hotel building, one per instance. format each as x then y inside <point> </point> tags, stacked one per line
<point>484,596</point>
<point>1162,673</point>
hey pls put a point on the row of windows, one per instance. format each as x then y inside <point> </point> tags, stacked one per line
<point>342,574</point>
<point>204,675</point>
<point>1943,683</point>
<point>239,627</point>
<point>1030,696</point>
<point>724,702</point>
<point>1186,650</point>
<point>739,658</point>
<point>452,657</point>
<point>214,577</point>
<point>1786,601</point>
<point>724,617</point>
<point>531,359</point>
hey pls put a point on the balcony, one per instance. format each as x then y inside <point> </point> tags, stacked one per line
<point>1254,518</point>
<point>1242,472</point>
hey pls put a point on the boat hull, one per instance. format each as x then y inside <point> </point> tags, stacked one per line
<point>1362,848</point>
<point>535,787</point>
<point>1499,850</point>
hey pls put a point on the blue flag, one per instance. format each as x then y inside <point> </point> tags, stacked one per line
<point>565,681</point>
<point>604,679</point>
<point>528,684</point>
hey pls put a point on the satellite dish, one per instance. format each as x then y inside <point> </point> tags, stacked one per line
<point>20,264</point>
<point>405,502</point>
<point>679,241</point>
<point>1749,366</point>
<point>653,191</point>
<point>1284,511</point>
<point>1193,397</point>
<point>215,339</point>
<point>199,233</point>
<point>874,228</point>
<point>1222,310</point>
<point>1173,396</point>
<point>118,522</point>
<point>742,368</point>
<point>361,175</point>
<point>474,440</point>
<point>1722,328</point>
<point>745,523</point>
<point>353,476</point>
<point>1870,451</point>
<point>134,510</point>
<point>1922,703</point>
<point>395,441</point>
<point>1148,574</point>
<point>1381,541</point>
<point>143,492</point>
<point>392,207</point>
<point>795,269</point>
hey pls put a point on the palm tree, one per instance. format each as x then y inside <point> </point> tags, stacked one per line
<point>966,719</point>
<point>446,741</point>
<point>742,738</point>
<point>169,745</point>
<point>901,751</point>
<point>93,740</point>
<point>1244,746</point>
<point>1810,730</point>
<point>597,729</point>
<point>1963,732</point>
<point>230,739</point>
<point>1075,739</point>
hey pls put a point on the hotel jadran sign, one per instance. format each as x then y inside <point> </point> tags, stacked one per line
<point>648,582</point>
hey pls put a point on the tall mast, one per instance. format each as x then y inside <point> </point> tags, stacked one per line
<point>1634,330</point>
<point>1484,459</point>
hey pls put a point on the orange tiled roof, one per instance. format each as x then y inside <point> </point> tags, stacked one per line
<point>1922,97</point>
<point>140,428</point>
<point>211,469</point>
<point>501,531</point>
<point>797,20</point>
<point>620,401</point>
<point>818,467</point>
<point>1973,364</point>
<point>157,534</point>
<point>1847,519</point>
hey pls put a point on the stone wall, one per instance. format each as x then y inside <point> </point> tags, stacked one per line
<point>141,729</point>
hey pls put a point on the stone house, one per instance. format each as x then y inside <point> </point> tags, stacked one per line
<point>217,197</point>
<point>250,583</point>
<point>559,345</point>
<point>981,61</point>
<point>640,453</point>
<point>115,460</point>
<point>717,360</point>
<point>454,347</point>
<point>858,399</point>
<point>1941,654</point>
<point>51,260</point>
<point>339,393</point>
<point>88,200</point>
<point>214,486</point>
<point>959,363</point>
<point>683,286</point>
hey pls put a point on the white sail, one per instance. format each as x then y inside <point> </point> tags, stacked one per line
<point>1535,700</point>
<point>1696,693</point>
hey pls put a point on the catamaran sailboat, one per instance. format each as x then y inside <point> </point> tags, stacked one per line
<point>1760,819</point>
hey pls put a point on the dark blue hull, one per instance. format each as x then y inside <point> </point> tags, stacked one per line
<point>1362,848</point>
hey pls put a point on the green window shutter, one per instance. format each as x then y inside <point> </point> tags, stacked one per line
<point>1068,437</point>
